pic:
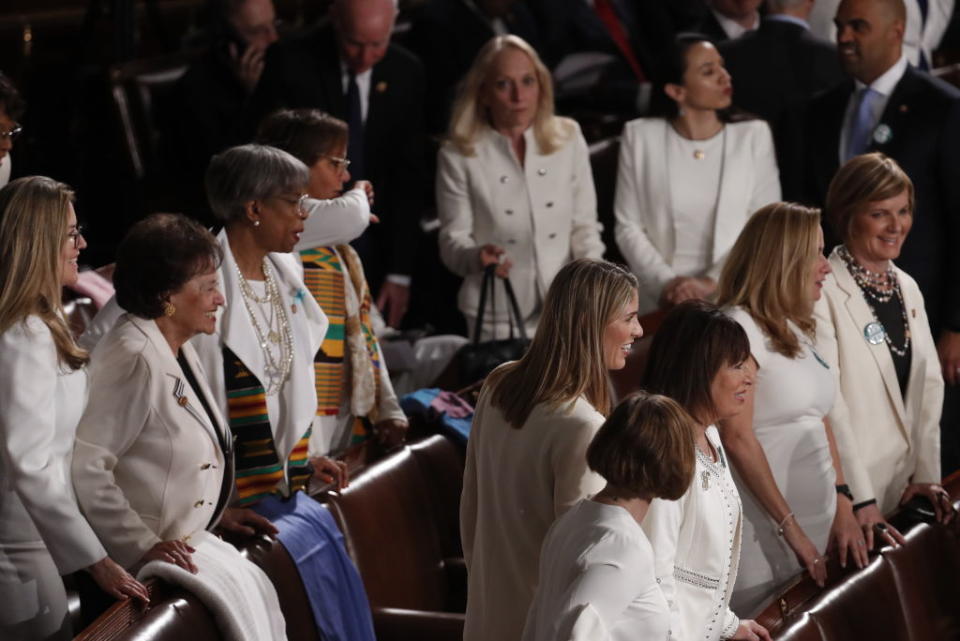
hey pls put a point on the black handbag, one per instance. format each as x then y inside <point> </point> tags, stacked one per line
<point>477,359</point>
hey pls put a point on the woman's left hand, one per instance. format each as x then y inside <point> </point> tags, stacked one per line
<point>117,582</point>
<point>846,536</point>
<point>391,433</point>
<point>331,471</point>
<point>938,497</point>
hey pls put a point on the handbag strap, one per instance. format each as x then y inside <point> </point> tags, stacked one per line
<point>487,283</point>
<point>513,308</point>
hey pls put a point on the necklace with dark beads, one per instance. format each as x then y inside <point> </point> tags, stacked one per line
<point>881,288</point>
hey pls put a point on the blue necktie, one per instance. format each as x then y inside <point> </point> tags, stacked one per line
<point>924,10</point>
<point>858,139</point>
<point>355,122</point>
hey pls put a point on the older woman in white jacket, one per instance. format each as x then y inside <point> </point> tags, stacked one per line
<point>514,185</point>
<point>873,331</point>
<point>688,181</point>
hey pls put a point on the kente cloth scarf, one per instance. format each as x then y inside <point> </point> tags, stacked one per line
<point>259,468</point>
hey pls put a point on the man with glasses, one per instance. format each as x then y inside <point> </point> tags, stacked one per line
<point>11,109</point>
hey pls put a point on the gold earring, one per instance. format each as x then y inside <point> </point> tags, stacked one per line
<point>169,309</point>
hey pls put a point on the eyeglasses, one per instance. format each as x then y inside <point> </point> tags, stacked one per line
<point>13,133</point>
<point>75,235</point>
<point>341,164</point>
<point>299,201</point>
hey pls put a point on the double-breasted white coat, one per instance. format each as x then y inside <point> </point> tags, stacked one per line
<point>543,213</point>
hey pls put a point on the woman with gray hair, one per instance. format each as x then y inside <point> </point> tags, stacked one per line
<point>260,366</point>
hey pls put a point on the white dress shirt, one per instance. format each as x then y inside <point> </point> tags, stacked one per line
<point>732,28</point>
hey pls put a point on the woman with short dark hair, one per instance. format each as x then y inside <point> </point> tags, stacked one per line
<point>153,463</point>
<point>701,358</point>
<point>872,329</point>
<point>596,568</point>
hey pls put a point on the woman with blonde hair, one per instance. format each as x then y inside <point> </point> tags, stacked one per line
<point>514,185</point>
<point>526,457</point>
<point>873,331</point>
<point>42,394</point>
<point>795,500</point>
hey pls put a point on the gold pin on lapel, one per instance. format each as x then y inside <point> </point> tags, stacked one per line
<point>182,401</point>
<point>381,86</point>
<point>904,109</point>
<point>913,312</point>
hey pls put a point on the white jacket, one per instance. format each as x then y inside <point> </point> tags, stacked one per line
<point>884,439</point>
<point>543,214</point>
<point>645,226</point>
<point>148,465</point>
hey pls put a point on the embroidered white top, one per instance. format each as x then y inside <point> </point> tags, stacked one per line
<point>696,546</point>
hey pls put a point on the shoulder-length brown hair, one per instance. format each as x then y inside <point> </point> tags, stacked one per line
<point>33,228</point>
<point>565,358</point>
<point>863,180</point>
<point>695,341</point>
<point>768,272</point>
<point>469,117</point>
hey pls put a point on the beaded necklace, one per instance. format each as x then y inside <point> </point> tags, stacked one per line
<point>276,365</point>
<point>879,288</point>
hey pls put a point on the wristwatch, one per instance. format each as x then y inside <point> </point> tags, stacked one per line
<point>845,490</point>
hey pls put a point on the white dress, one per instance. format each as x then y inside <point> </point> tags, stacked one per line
<point>42,533</point>
<point>596,580</point>
<point>696,545</point>
<point>792,397</point>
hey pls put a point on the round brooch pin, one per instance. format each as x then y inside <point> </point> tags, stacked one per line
<point>874,333</point>
<point>882,134</point>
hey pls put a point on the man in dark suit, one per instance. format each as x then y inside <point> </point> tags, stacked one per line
<point>890,107</point>
<point>350,69</point>
<point>730,19</point>
<point>780,66</point>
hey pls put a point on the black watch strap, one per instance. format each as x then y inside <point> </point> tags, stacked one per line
<point>844,489</point>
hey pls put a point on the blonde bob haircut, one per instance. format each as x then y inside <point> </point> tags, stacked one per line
<point>565,359</point>
<point>645,449</point>
<point>470,117</point>
<point>768,272</point>
<point>33,229</point>
<point>864,179</point>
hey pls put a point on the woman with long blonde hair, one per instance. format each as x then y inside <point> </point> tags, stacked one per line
<point>526,457</point>
<point>795,501</point>
<point>42,393</point>
<point>514,186</point>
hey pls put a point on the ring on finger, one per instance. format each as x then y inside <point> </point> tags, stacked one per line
<point>882,527</point>
<point>861,542</point>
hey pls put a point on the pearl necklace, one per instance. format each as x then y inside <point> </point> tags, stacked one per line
<point>881,288</point>
<point>276,366</point>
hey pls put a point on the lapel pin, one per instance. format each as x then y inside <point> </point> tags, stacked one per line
<point>874,333</point>
<point>913,312</point>
<point>182,401</point>
<point>381,86</point>
<point>882,134</point>
<point>904,109</point>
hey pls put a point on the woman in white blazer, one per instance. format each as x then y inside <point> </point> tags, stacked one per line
<point>42,393</point>
<point>526,453</point>
<point>873,331</point>
<point>514,184</point>
<point>597,579</point>
<point>354,393</point>
<point>688,180</point>
<point>701,359</point>
<point>153,463</point>
<point>782,446</point>
<point>260,366</point>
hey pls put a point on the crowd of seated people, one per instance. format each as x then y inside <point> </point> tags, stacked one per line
<point>801,385</point>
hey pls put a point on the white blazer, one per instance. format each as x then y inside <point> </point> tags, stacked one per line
<point>308,325</point>
<point>645,226</point>
<point>40,405</point>
<point>543,214</point>
<point>885,440</point>
<point>148,465</point>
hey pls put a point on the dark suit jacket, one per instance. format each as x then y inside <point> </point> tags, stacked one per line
<point>923,115</point>
<point>446,35</point>
<point>306,73</point>
<point>710,26</point>
<point>777,69</point>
